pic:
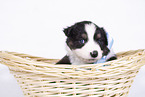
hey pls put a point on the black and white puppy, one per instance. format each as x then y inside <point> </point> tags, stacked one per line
<point>86,43</point>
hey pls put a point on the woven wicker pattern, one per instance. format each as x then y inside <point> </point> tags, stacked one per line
<point>39,77</point>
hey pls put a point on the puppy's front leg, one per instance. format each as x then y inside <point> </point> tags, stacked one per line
<point>64,60</point>
<point>111,56</point>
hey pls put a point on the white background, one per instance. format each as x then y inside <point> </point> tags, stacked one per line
<point>35,27</point>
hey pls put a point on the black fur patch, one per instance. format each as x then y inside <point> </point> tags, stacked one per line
<point>64,60</point>
<point>112,58</point>
<point>101,38</point>
<point>76,35</point>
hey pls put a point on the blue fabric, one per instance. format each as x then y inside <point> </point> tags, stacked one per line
<point>110,43</point>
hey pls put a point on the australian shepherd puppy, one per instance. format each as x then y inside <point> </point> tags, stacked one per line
<point>86,43</point>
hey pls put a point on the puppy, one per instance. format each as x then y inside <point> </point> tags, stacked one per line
<point>86,43</point>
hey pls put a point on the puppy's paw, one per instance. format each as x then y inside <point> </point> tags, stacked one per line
<point>112,58</point>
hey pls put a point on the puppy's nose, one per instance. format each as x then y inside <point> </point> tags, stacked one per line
<point>94,54</point>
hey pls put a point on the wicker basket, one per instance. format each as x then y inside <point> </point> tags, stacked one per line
<point>39,77</point>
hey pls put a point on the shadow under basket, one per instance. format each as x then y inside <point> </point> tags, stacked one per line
<point>40,77</point>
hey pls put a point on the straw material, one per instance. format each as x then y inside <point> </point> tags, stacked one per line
<point>39,77</point>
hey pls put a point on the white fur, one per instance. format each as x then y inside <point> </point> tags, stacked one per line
<point>90,29</point>
<point>82,55</point>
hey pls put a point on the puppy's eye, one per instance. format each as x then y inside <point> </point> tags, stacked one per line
<point>81,41</point>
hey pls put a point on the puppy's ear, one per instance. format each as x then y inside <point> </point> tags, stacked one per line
<point>104,35</point>
<point>103,30</point>
<point>67,31</point>
<point>105,48</point>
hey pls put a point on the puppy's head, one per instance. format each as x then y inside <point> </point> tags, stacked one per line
<point>87,41</point>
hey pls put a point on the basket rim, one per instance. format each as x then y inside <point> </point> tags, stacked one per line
<point>18,56</point>
<point>39,67</point>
